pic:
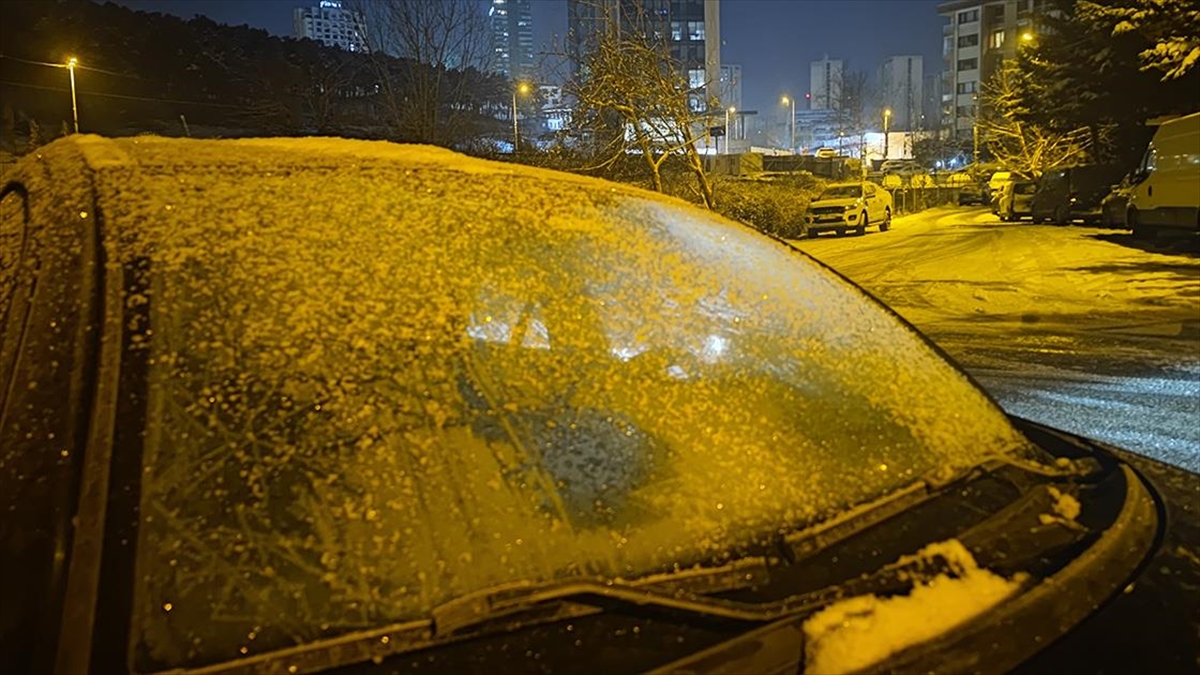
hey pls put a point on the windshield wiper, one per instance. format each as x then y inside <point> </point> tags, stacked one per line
<point>683,591</point>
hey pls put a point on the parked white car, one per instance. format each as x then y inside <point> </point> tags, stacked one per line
<point>850,206</point>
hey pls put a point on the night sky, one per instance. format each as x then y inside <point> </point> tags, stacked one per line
<point>773,40</point>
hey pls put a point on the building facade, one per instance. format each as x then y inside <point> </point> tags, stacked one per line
<point>330,24</point>
<point>976,39</point>
<point>690,28</point>
<point>825,84</point>
<point>901,88</point>
<point>931,103</point>
<point>512,38</point>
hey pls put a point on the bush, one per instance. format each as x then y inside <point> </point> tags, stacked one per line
<point>775,205</point>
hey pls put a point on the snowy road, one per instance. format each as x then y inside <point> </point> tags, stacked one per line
<point>1081,328</point>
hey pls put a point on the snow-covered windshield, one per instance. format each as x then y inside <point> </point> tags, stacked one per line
<point>841,192</point>
<point>379,383</point>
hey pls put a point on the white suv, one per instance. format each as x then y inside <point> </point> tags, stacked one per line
<point>850,206</point>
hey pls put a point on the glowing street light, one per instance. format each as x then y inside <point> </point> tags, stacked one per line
<point>71,63</point>
<point>887,117</point>
<point>787,100</point>
<point>1027,36</point>
<point>521,88</point>
<point>728,137</point>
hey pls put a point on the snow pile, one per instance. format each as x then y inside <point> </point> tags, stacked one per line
<point>861,631</point>
<point>1066,508</point>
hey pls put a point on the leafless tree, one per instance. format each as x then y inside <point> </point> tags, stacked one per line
<point>430,57</point>
<point>852,103</point>
<point>633,98</point>
<point>1023,146</point>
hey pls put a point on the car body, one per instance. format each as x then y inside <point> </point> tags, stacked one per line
<point>971,194</point>
<point>1016,200</point>
<point>847,206</point>
<point>1115,204</point>
<point>1165,194</point>
<point>826,153</point>
<point>1073,193</point>
<point>899,167</point>
<point>461,416</point>
<point>995,182</point>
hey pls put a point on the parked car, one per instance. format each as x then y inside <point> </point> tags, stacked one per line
<point>1166,187</point>
<point>461,416</point>
<point>826,153</point>
<point>971,194</point>
<point>1115,203</point>
<point>1016,199</point>
<point>1073,193</point>
<point>850,206</point>
<point>994,183</point>
<point>899,167</point>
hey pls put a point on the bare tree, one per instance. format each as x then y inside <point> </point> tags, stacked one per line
<point>633,98</point>
<point>431,57</point>
<point>852,103</point>
<point>1023,146</point>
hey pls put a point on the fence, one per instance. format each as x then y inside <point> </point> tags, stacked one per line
<point>913,199</point>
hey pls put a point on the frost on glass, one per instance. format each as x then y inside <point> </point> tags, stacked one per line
<point>375,386</point>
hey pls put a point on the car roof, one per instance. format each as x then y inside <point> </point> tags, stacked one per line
<point>272,155</point>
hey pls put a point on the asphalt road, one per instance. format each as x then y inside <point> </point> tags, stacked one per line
<point>1084,329</point>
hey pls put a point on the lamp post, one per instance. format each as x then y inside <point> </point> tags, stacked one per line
<point>728,138</point>
<point>71,63</point>
<point>521,88</point>
<point>887,117</point>
<point>787,100</point>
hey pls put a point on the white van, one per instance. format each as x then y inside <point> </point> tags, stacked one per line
<point>1166,187</point>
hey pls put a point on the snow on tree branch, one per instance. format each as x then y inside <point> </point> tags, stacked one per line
<point>1171,25</point>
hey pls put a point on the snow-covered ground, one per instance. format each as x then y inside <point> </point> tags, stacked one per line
<point>1082,328</point>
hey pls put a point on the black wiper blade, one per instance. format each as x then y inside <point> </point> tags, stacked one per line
<point>684,591</point>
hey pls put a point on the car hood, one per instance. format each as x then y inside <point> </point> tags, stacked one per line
<point>1161,599</point>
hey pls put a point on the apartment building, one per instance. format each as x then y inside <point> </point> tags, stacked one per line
<point>901,84</point>
<point>330,24</point>
<point>825,84</point>
<point>977,37</point>
<point>511,22</point>
<point>691,29</point>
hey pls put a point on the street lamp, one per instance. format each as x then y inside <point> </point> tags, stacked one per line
<point>521,88</point>
<point>887,116</point>
<point>728,138</point>
<point>71,63</point>
<point>787,100</point>
<point>1027,36</point>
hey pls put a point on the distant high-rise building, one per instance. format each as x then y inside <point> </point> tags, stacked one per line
<point>978,36</point>
<point>330,24</point>
<point>825,88</point>
<point>731,85</point>
<point>901,80</point>
<point>931,103</point>
<point>691,29</point>
<point>512,38</point>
